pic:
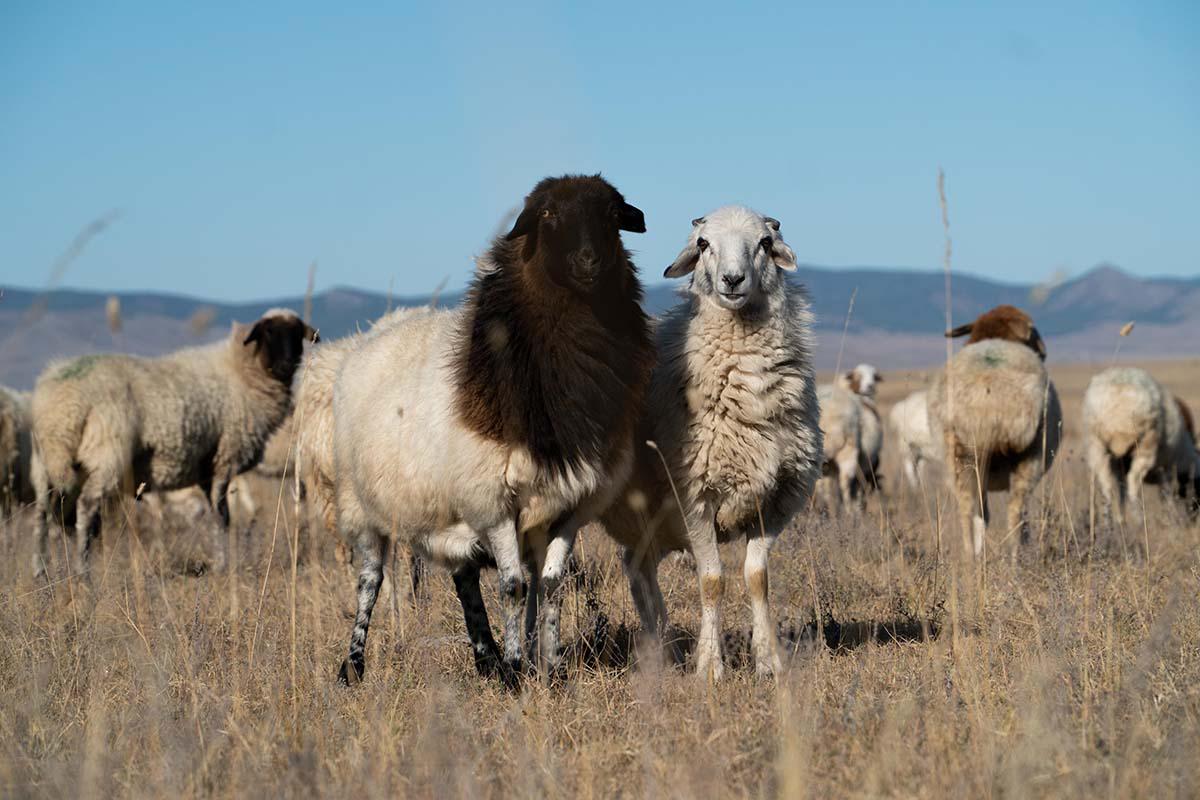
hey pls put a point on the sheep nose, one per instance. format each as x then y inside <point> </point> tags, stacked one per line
<point>732,281</point>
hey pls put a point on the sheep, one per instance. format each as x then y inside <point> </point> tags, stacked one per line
<point>1136,431</point>
<point>104,425</point>
<point>15,450</point>
<point>998,414</point>
<point>862,381</point>
<point>733,443</point>
<point>910,421</point>
<point>841,431</point>
<point>497,429</point>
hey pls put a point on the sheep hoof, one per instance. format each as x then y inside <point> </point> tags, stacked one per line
<point>351,673</point>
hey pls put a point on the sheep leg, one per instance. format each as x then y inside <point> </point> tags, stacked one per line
<point>970,489</point>
<point>535,556</point>
<point>41,529</point>
<point>370,551</point>
<point>910,473</point>
<point>87,526</point>
<point>847,466</point>
<point>766,652</point>
<point>558,555</point>
<point>507,553</point>
<point>709,665</point>
<point>642,573</point>
<point>1021,482</point>
<point>1101,466</point>
<point>218,500</point>
<point>479,629</point>
<point>1145,453</point>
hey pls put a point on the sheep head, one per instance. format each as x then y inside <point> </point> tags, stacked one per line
<point>1003,322</point>
<point>570,231</point>
<point>737,256</point>
<point>277,339</point>
<point>862,380</point>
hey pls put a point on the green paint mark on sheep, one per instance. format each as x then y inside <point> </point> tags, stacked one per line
<point>993,359</point>
<point>77,368</point>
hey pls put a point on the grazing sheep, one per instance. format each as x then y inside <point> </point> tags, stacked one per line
<point>910,420</point>
<point>841,430</point>
<point>15,450</point>
<point>862,381</point>
<point>998,414</point>
<point>1135,432</point>
<point>732,416</point>
<point>499,428</point>
<point>105,425</point>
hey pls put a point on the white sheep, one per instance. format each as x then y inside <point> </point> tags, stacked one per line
<point>1136,431</point>
<point>998,415</point>
<point>910,421</point>
<point>862,381</point>
<point>841,430</point>
<point>493,431</point>
<point>15,450</point>
<point>104,425</point>
<point>732,414</point>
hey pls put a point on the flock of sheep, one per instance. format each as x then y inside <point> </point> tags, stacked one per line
<point>486,436</point>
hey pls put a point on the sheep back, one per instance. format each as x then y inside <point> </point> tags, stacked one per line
<point>170,421</point>
<point>991,397</point>
<point>1121,407</point>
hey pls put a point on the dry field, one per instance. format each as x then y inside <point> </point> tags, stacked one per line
<point>1072,671</point>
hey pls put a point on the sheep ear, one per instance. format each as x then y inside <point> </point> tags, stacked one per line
<point>526,223</point>
<point>255,335</point>
<point>772,223</point>
<point>697,221</point>
<point>783,256</point>
<point>311,334</point>
<point>631,219</point>
<point>684,263</point>
<point>961,330</point>
<point>1039,345</point>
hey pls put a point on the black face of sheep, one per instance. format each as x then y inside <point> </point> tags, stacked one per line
<point>279,344</point>
<point>571,229</point>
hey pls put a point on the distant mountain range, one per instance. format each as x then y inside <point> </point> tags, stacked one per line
<point>895,323</point>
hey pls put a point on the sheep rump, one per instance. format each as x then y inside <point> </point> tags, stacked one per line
<point>1135,432</point>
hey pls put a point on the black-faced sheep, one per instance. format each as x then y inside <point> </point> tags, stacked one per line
<point>732,416</point>
<point>495,430</point>
<point>998,415</point>
<point>107,424</point>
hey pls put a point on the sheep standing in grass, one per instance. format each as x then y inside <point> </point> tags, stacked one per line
<point>733,420</point>
<point>495,430</point>
<point>105,425</point>
<point>862,381</point>
<point>910,421</point>
<point>15,450</point>
<point>841,431</point>
<point>998,414</point>
<point>1135,431</point>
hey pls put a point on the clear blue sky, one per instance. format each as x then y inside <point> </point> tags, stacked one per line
<point>240,143</point>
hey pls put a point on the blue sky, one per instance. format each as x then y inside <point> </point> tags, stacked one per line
<point>240,143</point>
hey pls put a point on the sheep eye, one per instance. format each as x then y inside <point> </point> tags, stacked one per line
<point>547,213</point>
<point>702,244</point>
<point>765,244</point>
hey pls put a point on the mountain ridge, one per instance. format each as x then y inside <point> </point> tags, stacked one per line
<point>896,318</point>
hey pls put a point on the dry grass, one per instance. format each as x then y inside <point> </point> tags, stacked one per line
<point>1073,671</point>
